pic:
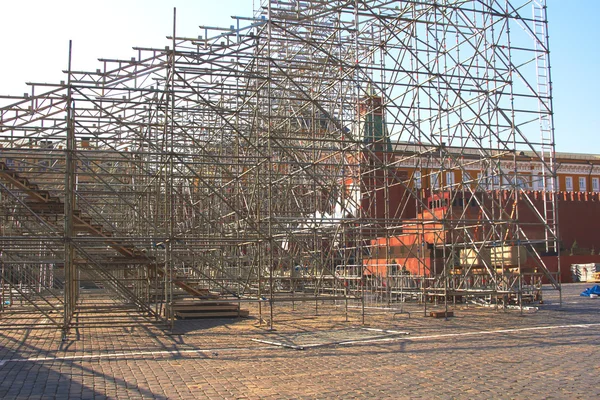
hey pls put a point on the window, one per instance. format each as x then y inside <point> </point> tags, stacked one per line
<point>493,182</point>
<point>466,177</point>
<point>450,178</point>
<point>522,183</point>
<point>417,178</point>
<point>569,183</point>
<point>480,181</point>
<point>596,184</point>
<point>435,180</point>
<point>536,181</point>
<point>582,185</point>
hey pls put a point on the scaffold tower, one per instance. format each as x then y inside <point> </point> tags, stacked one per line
<point>362,152</point>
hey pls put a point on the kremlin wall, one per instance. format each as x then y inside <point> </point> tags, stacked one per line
<point>577,201</point>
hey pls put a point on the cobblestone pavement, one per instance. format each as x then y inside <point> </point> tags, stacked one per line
<point>480,353</point>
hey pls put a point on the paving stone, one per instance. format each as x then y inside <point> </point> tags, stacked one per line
<point>545,354</point>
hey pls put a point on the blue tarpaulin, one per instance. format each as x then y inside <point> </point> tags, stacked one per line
<point>592,290</point>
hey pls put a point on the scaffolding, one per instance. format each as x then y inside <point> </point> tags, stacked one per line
<point>306,153</point>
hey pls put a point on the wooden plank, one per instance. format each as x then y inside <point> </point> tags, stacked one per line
<point>202,302</point>
<point>197,308</point>
<point>189,289</point>
<point>19,183</point>
<point>194,305</point>
<point>241,313</point>
<point>441,314</point>
<point>220,304</point>
<point>309,298</point>
<point>49,208</point>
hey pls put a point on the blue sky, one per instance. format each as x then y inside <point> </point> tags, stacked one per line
<point>575,61</point>
<point>34,39</point>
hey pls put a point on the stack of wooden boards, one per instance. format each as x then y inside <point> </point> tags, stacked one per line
<point>206,309</point>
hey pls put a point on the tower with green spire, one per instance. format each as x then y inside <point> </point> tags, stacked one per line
<point>372,129</point>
